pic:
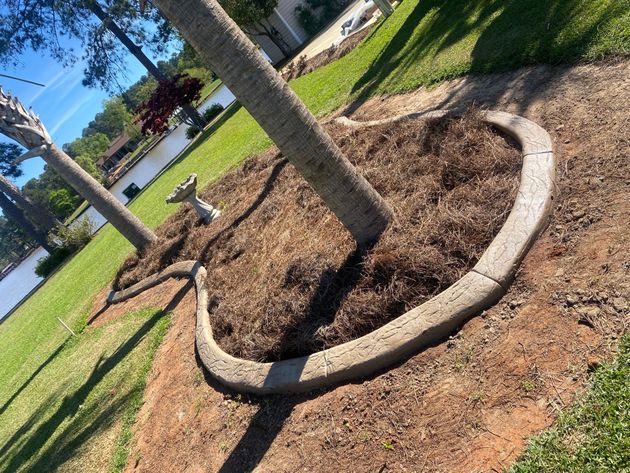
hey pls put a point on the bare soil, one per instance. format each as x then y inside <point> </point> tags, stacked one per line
<point>470,403</point>
<point>284,277</point>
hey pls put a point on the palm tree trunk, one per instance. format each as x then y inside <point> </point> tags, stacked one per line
<point>12,211</point>
<point>38,215</point>
<point>104,202</point>
<point>133,48</point>
<point>278,110</point>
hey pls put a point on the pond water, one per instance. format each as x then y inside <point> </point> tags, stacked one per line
<point>19,282</point>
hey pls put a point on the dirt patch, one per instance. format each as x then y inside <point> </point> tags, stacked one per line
<point>470,403</point>
<point>287,280</point>
<point>158,296</point>
<point>302,66</point>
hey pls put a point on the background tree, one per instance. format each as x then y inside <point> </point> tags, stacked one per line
<point>9,152</point>
<point>14,216</point>
<point>38,215</point>
<point>89,166</point>
<point>186,61</point>
<point>62,202</point>
<point>112,121</point>
<point>13,241</point>
<point>169,95</point>
<point>39,190</point>
<point>139,92</point>
<point>27,129</point>
<point>107,30</point>
<point>92,145</point>
<point>279,111</point>
<point>251,16</point>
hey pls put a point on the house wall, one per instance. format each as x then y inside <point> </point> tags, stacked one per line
<point>19,282</point>
<point>284,20</point>
<point>286,8</point>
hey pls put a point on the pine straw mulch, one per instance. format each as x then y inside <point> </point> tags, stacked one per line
<point>285,278</point>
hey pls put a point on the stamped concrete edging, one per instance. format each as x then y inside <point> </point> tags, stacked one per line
<point>426,324</point>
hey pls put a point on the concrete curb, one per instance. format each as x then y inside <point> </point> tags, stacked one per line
<point>426,324</point>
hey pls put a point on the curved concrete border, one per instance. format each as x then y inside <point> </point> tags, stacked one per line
<point>430,322</point>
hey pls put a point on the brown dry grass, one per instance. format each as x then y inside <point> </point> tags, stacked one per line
<point>285,278</point>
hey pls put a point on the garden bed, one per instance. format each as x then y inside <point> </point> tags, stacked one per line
<point>284,277</point>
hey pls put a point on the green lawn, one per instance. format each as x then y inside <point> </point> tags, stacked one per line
<point>423,42</point>
<point>594,434</point>
<point>88,388</point>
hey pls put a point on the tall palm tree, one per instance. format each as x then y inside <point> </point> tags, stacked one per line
<point>278,110</point>
<point>38,215</point>
<point>26,128</point>
<point>17,215</point>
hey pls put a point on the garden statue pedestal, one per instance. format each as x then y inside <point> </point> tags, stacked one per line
<point>187,191</point>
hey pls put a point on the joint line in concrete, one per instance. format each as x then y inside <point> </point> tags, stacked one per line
<point>537,152</point>
<point>490,278</point>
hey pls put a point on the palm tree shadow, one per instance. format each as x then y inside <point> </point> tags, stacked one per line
<point>502,41</point>
<point>262,195</point>
<point>332,289</point>
<point>22,451</point>
<point>263,429</point>
<point>33,375</point>
<point>267,423</point>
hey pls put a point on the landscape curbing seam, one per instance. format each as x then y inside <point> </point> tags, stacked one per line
<point>421,326</point>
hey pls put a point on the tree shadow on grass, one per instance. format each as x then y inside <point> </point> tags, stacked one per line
<point>434,38</point>
<point>25,443</point>
<point>260,198</point>
<point>50,358</point>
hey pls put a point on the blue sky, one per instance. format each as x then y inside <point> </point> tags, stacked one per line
<point>64,105</point>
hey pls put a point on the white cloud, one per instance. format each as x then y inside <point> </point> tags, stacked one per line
<point>42,90</point>
<point>70,112</point>
<point>67,79</point>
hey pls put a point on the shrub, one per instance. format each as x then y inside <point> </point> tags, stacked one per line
<point>69,240</point>
<point>75,236</point>
<point>313,15</point>
<point>307,18</point>
<point>48,264</point>
<point>191,132</point>
<point>212,112</point>
<point>169,95</point>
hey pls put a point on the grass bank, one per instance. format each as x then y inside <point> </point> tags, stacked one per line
<point>423,42</point>
<point>593,434</point>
